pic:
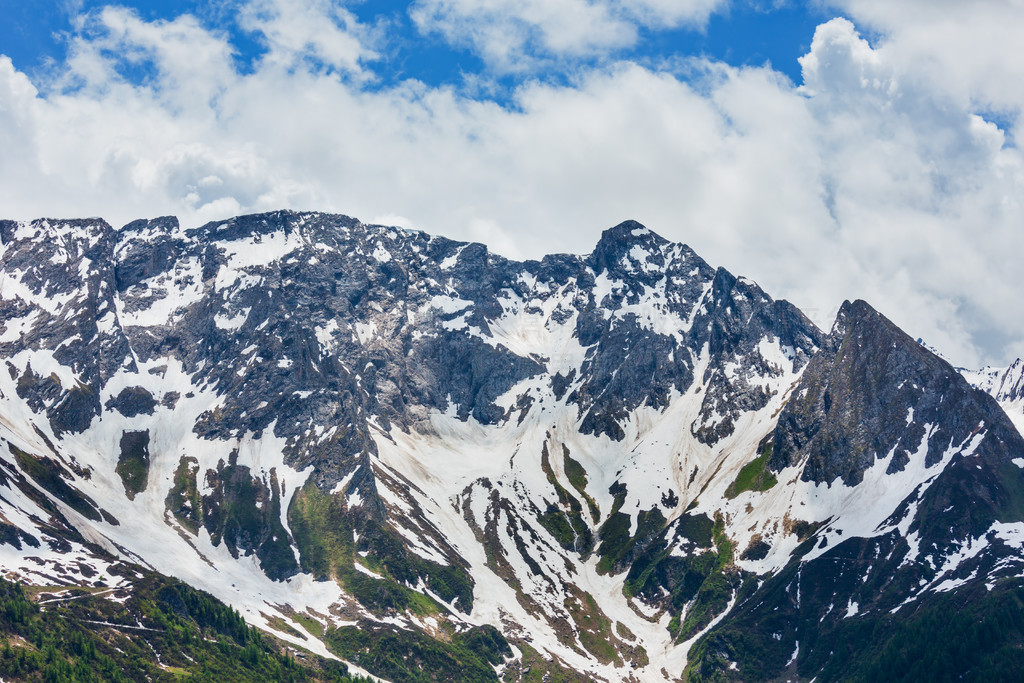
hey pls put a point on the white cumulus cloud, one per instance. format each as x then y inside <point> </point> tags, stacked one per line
<point>321,30</point>
<point>520,35</point>
<point>970,50</point>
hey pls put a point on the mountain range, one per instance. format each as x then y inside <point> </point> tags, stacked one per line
<point>435,463</point>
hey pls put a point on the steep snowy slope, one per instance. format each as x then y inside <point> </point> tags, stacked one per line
<point>580,464</point>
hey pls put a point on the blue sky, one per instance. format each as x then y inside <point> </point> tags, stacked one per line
<point>831,150</point>
<point>37,35</point>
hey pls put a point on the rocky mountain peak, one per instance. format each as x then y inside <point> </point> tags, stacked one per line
<point>628,246</point>
<point>847,412</point>
<point>161,224</point>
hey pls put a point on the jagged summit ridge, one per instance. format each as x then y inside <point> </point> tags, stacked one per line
<point>368,425</point>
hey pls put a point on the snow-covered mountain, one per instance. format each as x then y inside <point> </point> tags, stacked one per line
<point>628,465</point>
<point>1006,385</point>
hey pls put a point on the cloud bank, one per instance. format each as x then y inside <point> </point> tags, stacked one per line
<point>891,173</point>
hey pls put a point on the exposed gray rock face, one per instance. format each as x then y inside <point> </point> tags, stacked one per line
<point>636,271</point>
<point>133,401</point>
<point>67,267</point>
<point>873,393</point>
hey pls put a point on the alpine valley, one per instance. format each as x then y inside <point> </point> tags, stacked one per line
<point>437,464</point>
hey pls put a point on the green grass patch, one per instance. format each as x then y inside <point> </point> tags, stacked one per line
<point>568,528</point>
<point>412,657</point>
<point>313,626</point>
<point>565,520</point>
<point>617,546</point>
<point>323,533</point>
<point>282,626</point>
<point>578,478</point>
<point>245,513</point>
<point>754,476</point>
<point>133,462</point>
<point>564,498</point>
<point>714,593</point>
<point>615,537</point>
<point>595,629</point>
<point>697,528</point>
<point>183,499</point>
<point>725,547</point>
